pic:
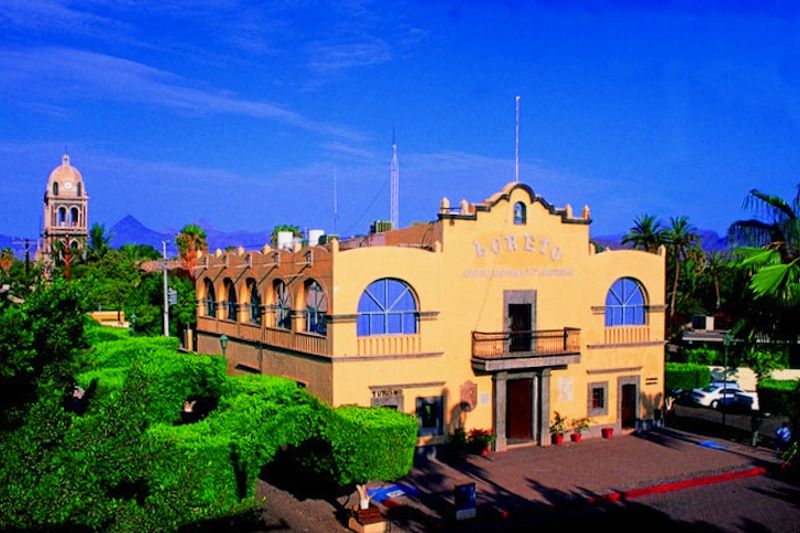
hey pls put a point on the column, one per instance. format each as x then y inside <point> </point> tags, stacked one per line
<point>499,385</point>
<point>544,401</point>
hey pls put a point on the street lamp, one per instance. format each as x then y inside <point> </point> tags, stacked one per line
<point>223,342</point>
<point>726,341</point>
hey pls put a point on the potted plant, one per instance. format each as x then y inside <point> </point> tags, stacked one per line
<point>481,441</point>
<point>458,444</point>
<point>558,428</point>
<point>578,425</point>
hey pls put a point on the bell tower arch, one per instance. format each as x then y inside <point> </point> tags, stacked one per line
<point>66,210</point>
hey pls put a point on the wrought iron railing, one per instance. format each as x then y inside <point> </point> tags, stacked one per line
<point>547,342</point>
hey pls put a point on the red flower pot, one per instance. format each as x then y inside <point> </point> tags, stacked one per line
<point>607,432</point>
<point>486,451</point>
<point>557,438</point>
<point>575,437</point>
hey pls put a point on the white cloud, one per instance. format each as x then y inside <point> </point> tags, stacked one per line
<point>56,72</point>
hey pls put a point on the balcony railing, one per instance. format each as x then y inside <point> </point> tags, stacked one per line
<point>522,344</point>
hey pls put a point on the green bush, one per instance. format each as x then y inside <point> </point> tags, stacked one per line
<point>703,356</point>
<point>685,376</point>
<point>127,464</point>
<point>780,398</point>
<point>371,444</point>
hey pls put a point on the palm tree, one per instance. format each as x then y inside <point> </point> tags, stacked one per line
<point>717,265</point>
<point>646,234</point>
<point>771,249</point>
<point>98,241</point>
<point>682,244</point>
<point>190,241</point>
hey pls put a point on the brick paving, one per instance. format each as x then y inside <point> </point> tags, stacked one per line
<point>530,479</point>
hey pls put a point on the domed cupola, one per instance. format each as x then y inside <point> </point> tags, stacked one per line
<point>66,207</point>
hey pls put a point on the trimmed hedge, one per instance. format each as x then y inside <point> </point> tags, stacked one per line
<point>780,398</point>
<point>685,376</point>
<point>369,443</point>
<point>127,464</point>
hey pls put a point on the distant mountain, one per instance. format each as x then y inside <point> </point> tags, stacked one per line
<point>130,231</point>
<point>710,240</point>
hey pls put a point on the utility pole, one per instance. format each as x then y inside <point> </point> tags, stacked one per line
<point>166,301</point>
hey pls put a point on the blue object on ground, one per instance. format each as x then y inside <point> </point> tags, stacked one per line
<point>391,491</point>
<point>712,444</point>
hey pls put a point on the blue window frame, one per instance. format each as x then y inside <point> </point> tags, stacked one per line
<point>231,305</point>
<point>625,305</point>
<point>255,302</point>
<point>430,415</point>
<point>211,301</point>
<point>283,306</point>
<point>316,308</point>
<point>520,214</point>
<point>387,307</point>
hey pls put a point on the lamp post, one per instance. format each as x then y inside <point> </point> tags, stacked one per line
<point>726,341</point>
<point>223,342</point>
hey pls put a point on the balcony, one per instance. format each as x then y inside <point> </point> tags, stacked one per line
<point>515,350</point>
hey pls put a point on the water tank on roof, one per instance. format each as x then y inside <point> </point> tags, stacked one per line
<point>314,236</point>
<point>285,240</point>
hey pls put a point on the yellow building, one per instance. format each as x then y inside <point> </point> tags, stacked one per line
<point>496,315</point>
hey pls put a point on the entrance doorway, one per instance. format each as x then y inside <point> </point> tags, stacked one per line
<point>628,406</point>
<point>520,317</point>
<point>519,410</point>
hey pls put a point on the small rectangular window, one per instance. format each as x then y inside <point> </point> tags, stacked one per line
<point>430,414</point>
<point>598,399</point>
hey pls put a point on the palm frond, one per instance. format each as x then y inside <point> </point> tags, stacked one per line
<point>775,206</point>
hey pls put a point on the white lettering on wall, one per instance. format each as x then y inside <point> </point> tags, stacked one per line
<point>529,243</point>
<point>512,245</point>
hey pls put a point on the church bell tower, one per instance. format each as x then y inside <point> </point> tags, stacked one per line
<point>66,210</point>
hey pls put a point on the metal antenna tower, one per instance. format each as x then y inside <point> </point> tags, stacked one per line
<point>335,202</point>
<point>395,169</point>
<point>516,144</point>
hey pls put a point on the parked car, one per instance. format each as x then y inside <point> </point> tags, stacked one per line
<point>710,396</point>
<point>737,401</point>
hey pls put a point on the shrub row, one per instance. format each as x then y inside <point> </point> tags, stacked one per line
<point>780,398</point>
<point>685,376</point>
<point>129,464</point>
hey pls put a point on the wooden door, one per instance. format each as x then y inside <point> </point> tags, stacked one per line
<point>519,409</point>
<point>628,407</point>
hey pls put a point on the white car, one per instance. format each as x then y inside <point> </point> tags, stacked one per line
<point>712,395</point>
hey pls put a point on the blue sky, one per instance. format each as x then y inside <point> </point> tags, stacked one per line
<point>239,114</point>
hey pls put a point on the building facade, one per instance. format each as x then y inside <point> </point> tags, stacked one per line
<point>66,210</point>
<point>496,315</point>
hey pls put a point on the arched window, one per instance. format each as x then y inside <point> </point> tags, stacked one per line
<point>316,307</point>
<point>79,189</point>
<point>55,188</point>
<point>387,307</point>
<point>73,216</point>
<point>520,213</point>
<point>211,300</point>
<point>62,216</point>
<point>625,303</point>
<point>255,302</point>
<point>283,305</point>
<point>231,305</point>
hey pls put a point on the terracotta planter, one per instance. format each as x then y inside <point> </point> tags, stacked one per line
<point>557,438</point>
<point>575,437</point>
<point>486,451</point>
<point>607,432</point>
